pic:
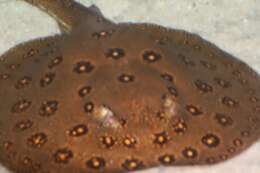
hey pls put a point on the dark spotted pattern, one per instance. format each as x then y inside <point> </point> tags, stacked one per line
<point>208,65</point>
<point>23,82</point>
<point>223,119</point>
<point>78,130</point>
<point>83,67</point>
<point>63,155</point>
<point>173,91</point>
<point>102,34</point>
<point>190,153</point>
<point>108,141</point>
<point>203,86</point>
<point>210,140</point>
<point>47,79</point>
<point>115,53</point>
<point>238,142</point>
<point>167,77</point>
<point>89,107</point>
<point>119,97</point>
<point>130,142</point>
<point>84,91</point>
<point>221,82</point>
<point>180,126</point>
<point>161,138</point>
<point>55,62</point>
<point>48,108</point>
<point>151,56</point>
<point>23,125</point>
<point>167,159</point>
<point>96,163</point>
<point>126,78</point>
<point>195,111</point>
<point>21,106</point>
<point>132,164</point>
<point>186,61</point>
<point>4,76</point>
<point>229,102</point>
<point>37,140</point>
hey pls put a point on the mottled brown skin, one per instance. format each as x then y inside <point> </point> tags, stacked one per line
<point>175,99</point>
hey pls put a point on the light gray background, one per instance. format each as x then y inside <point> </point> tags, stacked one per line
<point>233,25</point>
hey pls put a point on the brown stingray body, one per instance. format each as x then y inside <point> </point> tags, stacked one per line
<point>106,97</point>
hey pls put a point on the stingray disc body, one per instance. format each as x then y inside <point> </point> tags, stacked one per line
<point>105,97</point>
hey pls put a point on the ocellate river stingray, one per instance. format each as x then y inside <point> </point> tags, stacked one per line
<point>107,97</point>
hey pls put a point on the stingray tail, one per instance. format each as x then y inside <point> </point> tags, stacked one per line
<point>68,13</point>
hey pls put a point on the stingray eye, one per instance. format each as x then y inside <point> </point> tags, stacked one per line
<point>190,153</point>
<point>63,156</point>
<point>115,53</point>
<point>210,140</point>
<point>132,164</point>
<point>167,159</point>
<point>96,163</point>
<point>83,67</point>
<point>151,56</point>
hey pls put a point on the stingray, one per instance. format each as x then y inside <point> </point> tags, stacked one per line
<point>107,97</point>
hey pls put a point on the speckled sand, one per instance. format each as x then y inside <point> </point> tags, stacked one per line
<point>233,25</point>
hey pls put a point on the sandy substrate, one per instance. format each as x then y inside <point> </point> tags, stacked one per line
<point>233,25</point>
